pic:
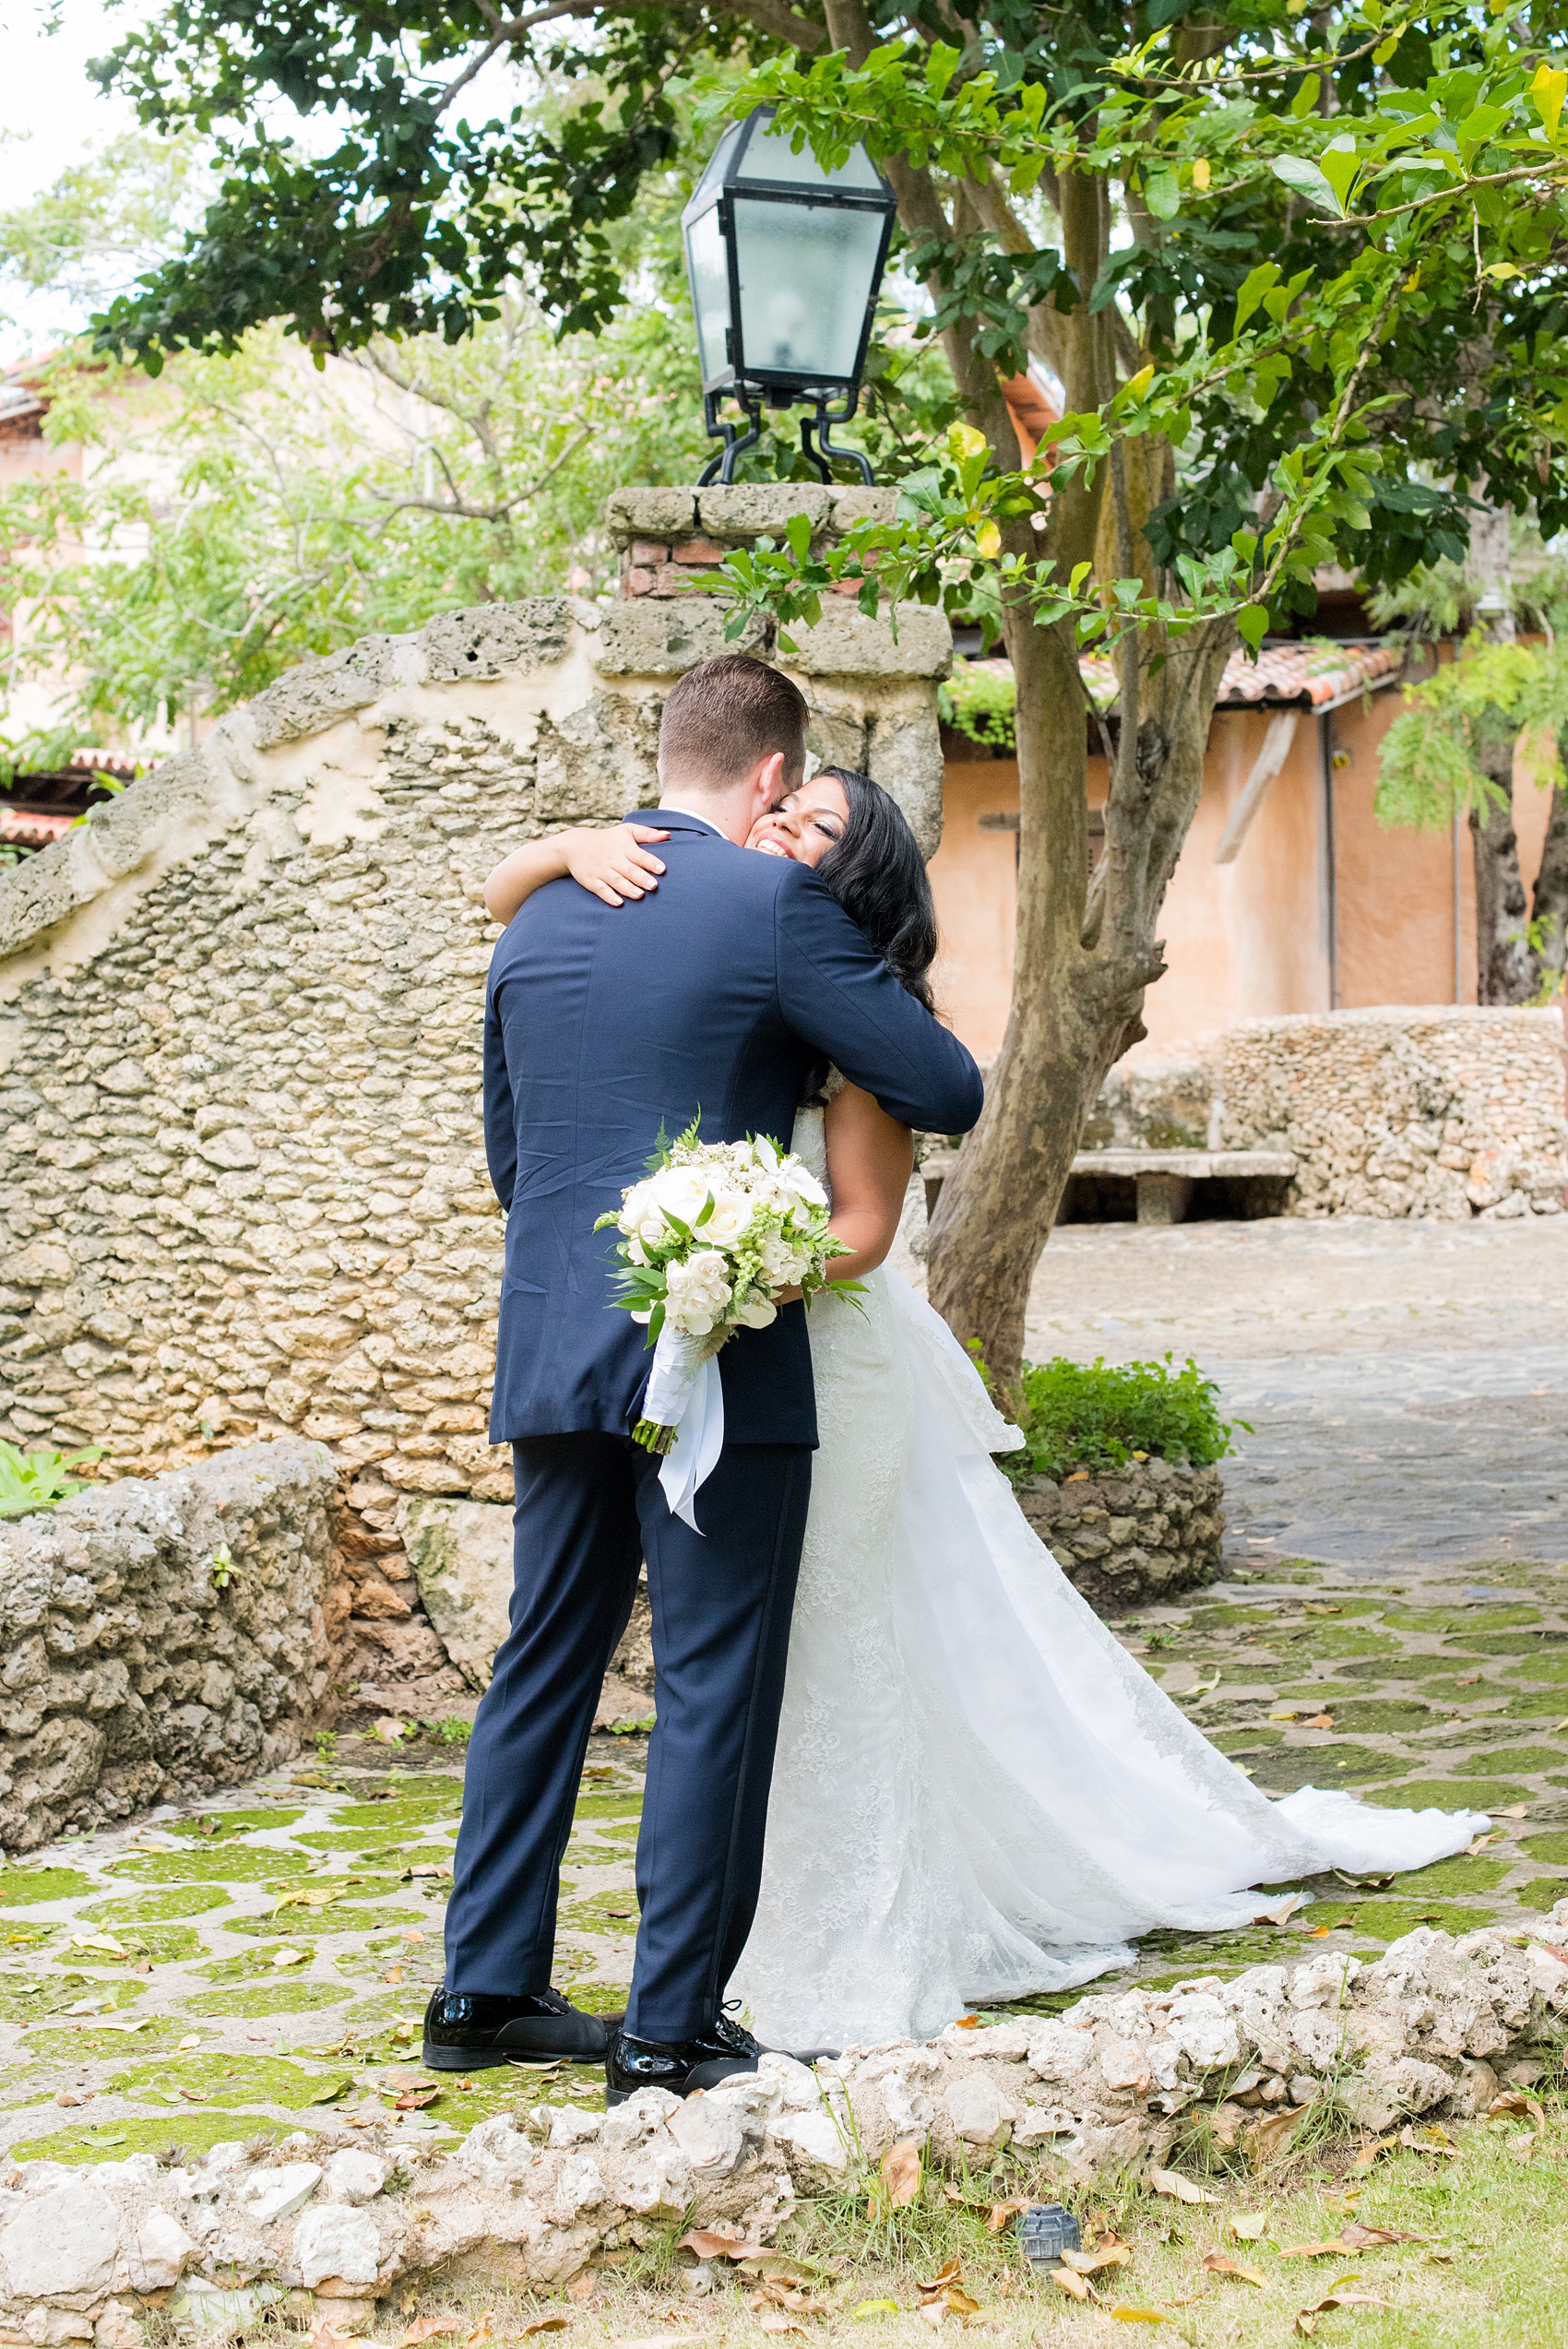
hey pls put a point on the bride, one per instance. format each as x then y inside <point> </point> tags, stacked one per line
<point>978,1795</point>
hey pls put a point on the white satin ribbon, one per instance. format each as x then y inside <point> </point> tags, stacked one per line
<point>684,1392</point>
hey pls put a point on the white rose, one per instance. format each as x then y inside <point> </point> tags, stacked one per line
<point>757,1311</point>
<point>635,1252</point>
<point>700,1280</point>
<point>635,1208</point>
<point>732,1213</point>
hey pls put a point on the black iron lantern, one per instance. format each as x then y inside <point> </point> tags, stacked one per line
<point>785,262</point>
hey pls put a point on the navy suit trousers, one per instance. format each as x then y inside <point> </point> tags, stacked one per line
<point>589,1506</point>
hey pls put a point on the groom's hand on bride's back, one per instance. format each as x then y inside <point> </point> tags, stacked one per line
<point>837,993</point>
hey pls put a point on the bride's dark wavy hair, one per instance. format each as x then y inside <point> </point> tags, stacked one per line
<point>878,875</point>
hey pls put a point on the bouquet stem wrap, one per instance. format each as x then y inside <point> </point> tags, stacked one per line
<point>684,1392</point>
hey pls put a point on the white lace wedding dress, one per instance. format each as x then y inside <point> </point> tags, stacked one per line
<point>978,1793</point>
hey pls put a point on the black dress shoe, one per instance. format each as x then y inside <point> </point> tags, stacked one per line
<point>718,2053</point>
<point>469,2030</point>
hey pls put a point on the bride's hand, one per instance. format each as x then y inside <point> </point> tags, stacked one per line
<point>612,863</point>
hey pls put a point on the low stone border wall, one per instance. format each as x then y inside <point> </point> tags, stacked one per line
<point>165,1635</point>
<point>1436,2028</point>
<point>1133,1534</point>
<point>1444,1112</point>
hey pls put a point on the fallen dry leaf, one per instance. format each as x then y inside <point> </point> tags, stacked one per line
<point>775,2322</point>
<point>1306,2319</point>
<point>482,2333</point>
<point>1318,1721</point>
<point>716,2243</point>
<point>1431,2137</point>
<point>1512,2102</point>
<point>1074,2285</point>
<point>428,2329</point>
<point>1126,2315</point>
<point>1179,2188</point>
<point>1280,1911</point>
<point>1114,2255</point>
<point>1266,2141</point>
<point>967,2022</point>
<point>327,2333</point>
<point>901,2173</point>
<point>1248,2225</point>
<point>1217,2264</point>
<point>1512,1811</point>
<point>1002,2212</point>
<point>544,2324</point>
<point>414,2100</point>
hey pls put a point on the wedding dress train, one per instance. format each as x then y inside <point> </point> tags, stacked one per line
<point>978,1793</point>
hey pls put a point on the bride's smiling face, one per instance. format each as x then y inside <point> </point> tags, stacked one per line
<point>805,825</point>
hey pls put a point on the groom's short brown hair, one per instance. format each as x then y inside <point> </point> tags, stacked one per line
<point>726,715</point>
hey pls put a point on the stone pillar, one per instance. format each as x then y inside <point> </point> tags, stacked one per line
<point>870,690</point>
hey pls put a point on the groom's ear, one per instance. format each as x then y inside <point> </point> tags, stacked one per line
<point>768,785</point>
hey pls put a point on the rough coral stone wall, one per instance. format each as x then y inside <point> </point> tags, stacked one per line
<point>165,1635</point>
<point>240,1026</point>
<point>1135,1537</point>
<point>1444,1113</point>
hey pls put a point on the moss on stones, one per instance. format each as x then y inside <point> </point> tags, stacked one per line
<point>1447,1794</point>
<point>21,1886</point>
<point>234,1864</point>
<point>267,1994</point>
<point>159,1908</point>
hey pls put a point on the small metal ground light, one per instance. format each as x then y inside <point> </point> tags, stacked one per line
<point>1045,2230</point>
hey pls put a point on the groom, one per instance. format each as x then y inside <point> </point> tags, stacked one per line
<point>717,993</point>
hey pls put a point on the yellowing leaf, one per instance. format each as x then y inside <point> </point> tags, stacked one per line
<point>965,441</point>
<point>1547,89</point>
<point>988,540</point>
<point>1135,385</point>
<point>1179,2188</point>
<point>1201,173</point>
<point>1217,2264</point>
<point>1247,2226</point>
<point>876,2308</point>
<point>1124,2315</point>
<point>1074,2285</point>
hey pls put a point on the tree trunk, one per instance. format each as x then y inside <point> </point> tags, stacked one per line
<point>1083,959</point>
<point>1551,906</point>
<point>1506,969</point>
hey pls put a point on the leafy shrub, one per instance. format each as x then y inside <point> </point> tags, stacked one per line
<point>30,1480</point>
<point>981,701</point>
<point>1102,1414</point>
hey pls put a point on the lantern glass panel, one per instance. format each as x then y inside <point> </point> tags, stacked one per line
<point>708,264</point>
<point>718,160</point>
<point>770,156</point>
<point>806,272</point>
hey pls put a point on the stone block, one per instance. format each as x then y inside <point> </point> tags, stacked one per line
<point>904,756</point>
<point>752,509</point>
<point>862,505</point>
<point>461,1554</point>
<point>62,2246</point>
<point>659,636</point>
<point>699,553</point>
<point>844,642</point>
<point>268,2195</point>
<point>1118,1549</point>
<point>650,514</point>
<point>336,2241</point>
<point>495,637</point>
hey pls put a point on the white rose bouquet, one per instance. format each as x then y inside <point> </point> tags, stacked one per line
<point>712,1235</point>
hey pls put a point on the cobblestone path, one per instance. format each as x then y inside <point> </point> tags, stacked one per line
<point>1394,1621</point>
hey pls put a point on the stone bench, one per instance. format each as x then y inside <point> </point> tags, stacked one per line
<point>1162,1183</point>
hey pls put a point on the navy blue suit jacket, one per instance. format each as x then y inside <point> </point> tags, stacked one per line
<point>717,993</point>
